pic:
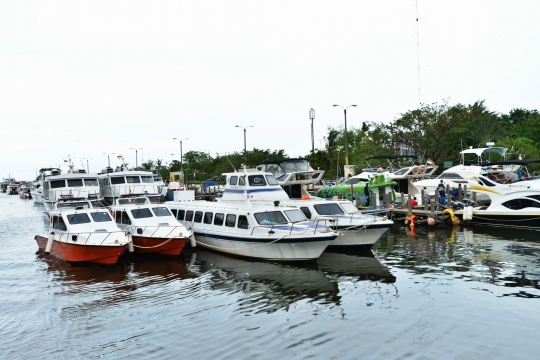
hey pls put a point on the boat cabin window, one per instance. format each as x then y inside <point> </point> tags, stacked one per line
<point>218,220</point>
<point>450,176</point>
<point>256,180</point>
<point>141,213</point>
<point>58,223</point>
<point>122,218</point>
<point>181,214</point>
<point>101,216</point>
<point>55,184</point>
<point>295,215</point>
<point>536,197</point>
<point>76,219</point>
<point>518,204</point>
<point>243,222</point>
<point>104,182</point>
<point>486,182</point>
<point>147,179</point>
<point>270,218</point>
<point>233,180</point>
<point>90,182</point>
<point>328,209</point>
<point>276,170</point>
<point>74,182</point>
<point>306,211</point>
<point>161,211</point>
<point>133,179</point>
<point>349,207</point>
<point>241,181</point>
<point>117,180</point>
<point>198,216</point>
<point>231,220</point>
<point>271,180</point>
<point>208,217</point>
<point>189,215</point>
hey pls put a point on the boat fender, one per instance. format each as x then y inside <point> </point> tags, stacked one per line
<point>431,221</point>
<point>131,248</point>
<point>422,170</point>
<point>49,245</point>
<point>192,241</point>
<point>415,170</point>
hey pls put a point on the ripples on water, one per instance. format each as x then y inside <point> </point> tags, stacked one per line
<point>431,293</point>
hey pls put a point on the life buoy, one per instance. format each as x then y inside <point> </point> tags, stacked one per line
<point>422,169</point>
<point>415,170</point>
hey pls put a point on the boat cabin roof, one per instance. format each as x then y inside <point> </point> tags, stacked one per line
<point>139,200</point>
<point>127,173</point>
<point>71,177</point>
<point>479,151</point>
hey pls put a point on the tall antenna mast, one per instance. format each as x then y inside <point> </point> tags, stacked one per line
<point>418,53</point>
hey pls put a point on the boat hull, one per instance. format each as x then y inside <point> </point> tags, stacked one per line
<point>98,254</point>
<point>158,246</point>
<point>363,237</point>
<point>508,221</point>
<point>289,249</point>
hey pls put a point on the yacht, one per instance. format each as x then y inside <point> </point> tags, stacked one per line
<point>152,227</point>
<point>13,188</point>
<point>37,192</point>
<point>263,231</point>
<point>80,233</point>
<point>127,184</point>
<point>79,186</point>
<point>356,229</point>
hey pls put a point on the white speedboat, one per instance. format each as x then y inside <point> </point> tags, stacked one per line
<point>80,233</point>
<point>355,228</point>
<point>520,209</point>
<point>258,231</point>
<point>152,227</point>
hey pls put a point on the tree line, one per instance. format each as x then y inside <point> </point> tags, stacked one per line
<point>433,131</point>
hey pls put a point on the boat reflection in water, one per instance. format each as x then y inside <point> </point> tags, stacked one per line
<point>508,258</point>
<point>272,286</point>
<point>360,264</point>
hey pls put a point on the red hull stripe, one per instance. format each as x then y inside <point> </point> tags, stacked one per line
<point>152,245</point>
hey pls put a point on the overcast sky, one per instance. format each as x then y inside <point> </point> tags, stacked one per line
<point>83,78</point>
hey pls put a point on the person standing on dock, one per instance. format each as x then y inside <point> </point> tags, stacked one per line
<point>442,189</point>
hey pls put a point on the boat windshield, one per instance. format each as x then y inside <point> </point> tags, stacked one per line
<point>141,213</point>
<point>270,218</point>
<point>271,180</point>
<point>295,165</point>
<point>101,216</point>
<point>133,179</point>
<point>75,219</point>
<point>90,182</point>
<point>75,182</point>
<point>161,211</point>
<point>295,215</point>
<point>349,207</point>
<point>147,179</point>
<point>328,209</point>
<point>256,180</point>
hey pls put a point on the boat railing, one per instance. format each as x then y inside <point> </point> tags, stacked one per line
<point>66,194</point>
<point>158,227</point>
<point>77,234</point>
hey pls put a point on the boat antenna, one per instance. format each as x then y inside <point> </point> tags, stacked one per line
<point>418,53</point>
<point>230,163</point>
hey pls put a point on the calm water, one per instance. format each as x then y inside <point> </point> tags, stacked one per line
<point>432,294</point>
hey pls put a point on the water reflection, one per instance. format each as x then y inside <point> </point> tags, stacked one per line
<point>481,254</point>
<point>272,286</point>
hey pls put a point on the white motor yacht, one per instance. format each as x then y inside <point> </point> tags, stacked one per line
<point>127,184</point>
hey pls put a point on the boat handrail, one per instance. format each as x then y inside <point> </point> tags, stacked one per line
<point>291,224</point>
<point>91,233</point>
<point>157,228</point>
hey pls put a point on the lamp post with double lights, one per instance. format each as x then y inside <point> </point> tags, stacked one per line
<point>245,151</point>
<point>312,116</point>
<point>136,159</point>
<point>181,158</point>
<point>109,157</point>
<point>346,144</point>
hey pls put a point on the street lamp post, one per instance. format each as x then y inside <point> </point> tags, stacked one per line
<point>136,159</point>
<point>245,151</point>
<point>109,157</point>
<point>312,116</point>
<point>346,144</point>
<point>181,158</point>
<point>87,166</point>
